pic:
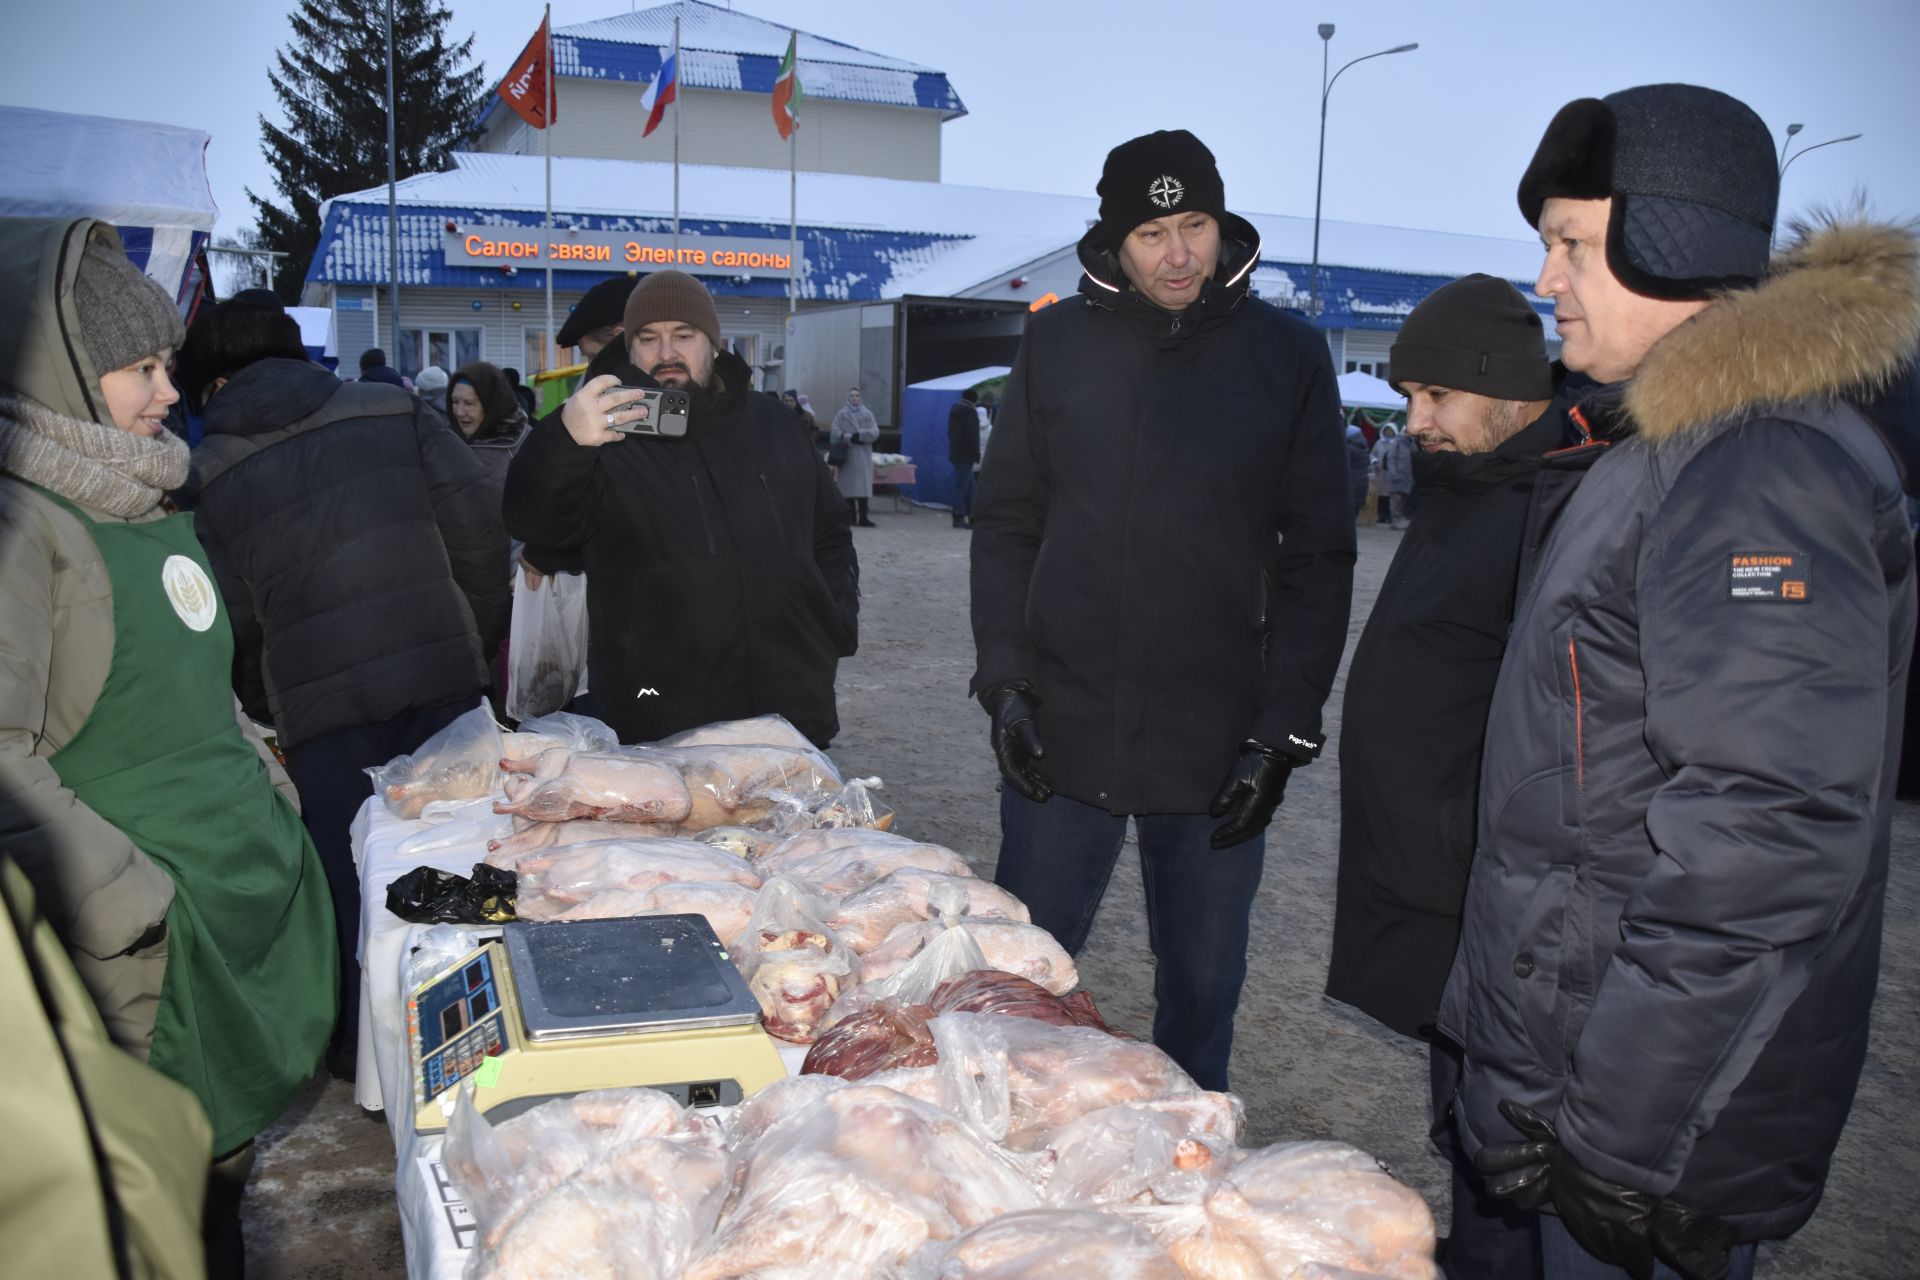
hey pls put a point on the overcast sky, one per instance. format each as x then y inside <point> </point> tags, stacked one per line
<point>1435,138</point>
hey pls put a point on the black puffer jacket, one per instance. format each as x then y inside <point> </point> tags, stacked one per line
<point>721,578</point>
<point>1672,930</point>
<point>1163,544</point>
<point>1412,724</point>
<point>358,546</point>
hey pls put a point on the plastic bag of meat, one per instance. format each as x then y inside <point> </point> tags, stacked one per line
<point>911,894</point>
<point>745,841</point>
<point>461,762</point>
<point>1139,1153</point>
<point>1052,1076</point>
<point>1281,1209</point>
<point>727,906</point>
<point>561,729</point>
<point>853,1185</point>
<point>547,647</point>
<point>510,850</point>
<point>793,963</point>
<point>1009,945</point>
<point>855,859</point>
<point>854,806</point>
<point>736,785</point>
<point>501,1169</point>
<point>988,990</point>
<point>562,878</point>
<point>1042,1244</point>
<point>560,785</point>
<point>772,731</point>
<point>883,1036</point>
<point>953,952</point>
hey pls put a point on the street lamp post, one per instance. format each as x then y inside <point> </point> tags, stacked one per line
<point>1787,142</point>
<point>1786,159</point>
<point>1320,172</point>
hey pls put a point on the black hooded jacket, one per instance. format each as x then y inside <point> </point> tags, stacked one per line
<point>1163,543</point>
<point>358,546</point>
<point>1414,719</point>
<point>721,577</point>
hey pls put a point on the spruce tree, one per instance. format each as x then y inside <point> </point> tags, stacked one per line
<point>331,80</point>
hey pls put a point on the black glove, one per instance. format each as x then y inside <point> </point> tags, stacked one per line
<point>1251,793</point>
<point>1016,741</point>
<point>1615,1224</point>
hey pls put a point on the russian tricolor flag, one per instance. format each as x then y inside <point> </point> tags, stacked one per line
<point>661,92</point>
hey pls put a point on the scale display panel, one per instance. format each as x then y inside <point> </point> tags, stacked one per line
<point>460,1022</point>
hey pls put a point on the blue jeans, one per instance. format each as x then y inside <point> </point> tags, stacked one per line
<point>963,478</point>
<point>1057,857</point>
<point>1564,1259</point>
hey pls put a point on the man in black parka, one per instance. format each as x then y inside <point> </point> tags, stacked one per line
<point>721,579</point>
<point>1162,559</point>
<point>963,451</point>
<point>1472,362</point>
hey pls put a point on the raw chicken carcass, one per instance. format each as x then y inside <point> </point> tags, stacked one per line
<point>853,1185</point>
<point>1044,1244</point>
<point>773,731</point>
<point>615,788</point>
<point>726,906</point>
<point>1054,1075</point>
<point>509,851</point>
<point>1282,1209</point>
<point>461,762</point>
<point>857,860</point>
<point>883,1037</point>
<point>793,963</point>
<point>910,894</point>
<point>745,841</point>
<point>996,991</point>
<point>1008,945</point>
<point>731,785</point>
<point>1137,1153</point>
<point>570,876</point>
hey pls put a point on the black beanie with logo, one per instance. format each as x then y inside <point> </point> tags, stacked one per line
<point>1153,176</point>
<point>1477,334</point>
<point>1692,175</point>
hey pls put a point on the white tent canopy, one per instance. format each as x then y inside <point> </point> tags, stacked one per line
<point>1364,391</point>
<point>958,382</point>
<point>149,180</point>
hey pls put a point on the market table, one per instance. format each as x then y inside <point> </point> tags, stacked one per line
<point>434,1223</point>
<point>896,474</point>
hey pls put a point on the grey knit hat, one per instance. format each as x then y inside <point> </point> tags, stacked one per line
<point>1477,334</point>
<point>1692,176</point>
<point>123,314</point>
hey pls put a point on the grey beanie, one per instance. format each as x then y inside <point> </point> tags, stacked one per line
<point>1477,334</point>
<point>123,314</point>
<point>1693,179</point>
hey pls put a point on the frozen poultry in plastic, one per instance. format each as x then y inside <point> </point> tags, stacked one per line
<point>614,788</point>
<point>1008,945</point>
<point>726,906</point>
<point>911,894</point>
<point>1045,1244</point>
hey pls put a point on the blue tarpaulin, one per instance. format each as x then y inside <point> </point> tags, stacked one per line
<point>923,432</point>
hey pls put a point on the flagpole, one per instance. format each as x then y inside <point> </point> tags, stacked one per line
<point>546,346</point>
<point>393,211</point>
<point>676,142</point>
<point>793,194</point>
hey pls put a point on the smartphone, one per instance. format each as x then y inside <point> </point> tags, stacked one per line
<point>668,416</point>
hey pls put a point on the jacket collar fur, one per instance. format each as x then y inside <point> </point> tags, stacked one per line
<point>1839,315</point>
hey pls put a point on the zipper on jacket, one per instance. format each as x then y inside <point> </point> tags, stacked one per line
<point>700,501</point>
<point>779,525</point>
<point>1579,745</point>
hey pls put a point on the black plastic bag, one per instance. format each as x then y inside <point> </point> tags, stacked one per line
<point>425,895</point>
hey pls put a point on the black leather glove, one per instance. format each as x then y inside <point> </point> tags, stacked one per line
<point>1016,740</point>
<point>1251,793</point>
<point>1616,1224</point>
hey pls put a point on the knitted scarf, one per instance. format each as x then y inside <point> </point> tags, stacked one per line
<point>100,468</point>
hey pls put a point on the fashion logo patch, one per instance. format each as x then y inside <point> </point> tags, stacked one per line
<point>189,592</point>
<point>1166,191</point>
<point>1772,577</point>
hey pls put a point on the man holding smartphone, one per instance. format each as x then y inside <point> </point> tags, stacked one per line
<point>721,577</point>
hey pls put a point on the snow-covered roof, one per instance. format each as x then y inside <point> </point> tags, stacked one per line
<point>724,49</point>
<point>927,238</point>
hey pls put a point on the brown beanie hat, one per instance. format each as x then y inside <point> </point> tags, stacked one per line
<point>123,314</point>
<point>672,295</point>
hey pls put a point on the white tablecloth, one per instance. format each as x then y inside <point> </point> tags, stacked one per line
<point>433,1221</point>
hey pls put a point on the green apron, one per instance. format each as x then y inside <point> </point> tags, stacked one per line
<point>247,1003</point>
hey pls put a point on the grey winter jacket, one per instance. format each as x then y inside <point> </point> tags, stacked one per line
<point>1672,928</point>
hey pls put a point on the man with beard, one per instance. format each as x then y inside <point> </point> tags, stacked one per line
<point>1472,362</point>
<point>1162,557</point>
<point>721,579</point>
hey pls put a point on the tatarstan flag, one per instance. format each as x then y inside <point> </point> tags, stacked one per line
<point>786,90</point>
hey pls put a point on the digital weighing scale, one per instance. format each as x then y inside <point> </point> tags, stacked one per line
<point>550,1010</point>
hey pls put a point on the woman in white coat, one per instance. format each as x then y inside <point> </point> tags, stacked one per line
<point>854,431</point>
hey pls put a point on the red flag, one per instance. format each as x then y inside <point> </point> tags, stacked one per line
<point>528,88</point>
<point>786,90</point>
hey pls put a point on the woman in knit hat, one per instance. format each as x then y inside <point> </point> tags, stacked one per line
<point>131,790</point>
